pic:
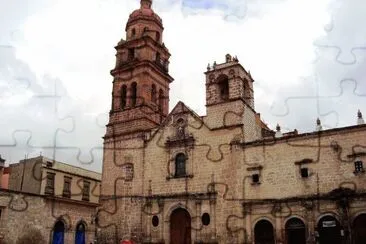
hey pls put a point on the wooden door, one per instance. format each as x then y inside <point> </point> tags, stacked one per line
<point>359,229</point>
<point>180,227</point>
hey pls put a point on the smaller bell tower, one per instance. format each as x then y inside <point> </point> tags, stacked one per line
<point>230,97</point>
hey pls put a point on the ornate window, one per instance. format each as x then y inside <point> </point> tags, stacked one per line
<point>180,165</point>
<point>133,32</point>
<point>133,94</point>
<point>123,96</point>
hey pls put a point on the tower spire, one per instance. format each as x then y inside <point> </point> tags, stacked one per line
<point>145,4</point>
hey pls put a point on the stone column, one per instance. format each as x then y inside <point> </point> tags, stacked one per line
<point>248,223</point>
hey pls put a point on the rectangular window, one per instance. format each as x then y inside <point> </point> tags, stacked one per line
<point>86,191</point>
<point>50,184</point>
<point>255,178</point>
<point>67,187</point>
<point>304,172</point>
<point>131,54</point>
<point>359,166</point>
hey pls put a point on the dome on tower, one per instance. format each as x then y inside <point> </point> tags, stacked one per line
<point>144,13</point>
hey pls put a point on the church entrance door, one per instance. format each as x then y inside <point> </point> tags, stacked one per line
<point>263,232</point>
<point>180,227</point>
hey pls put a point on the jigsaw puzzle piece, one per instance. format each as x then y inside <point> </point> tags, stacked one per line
<point>18,202</point>
<point>87,152</point>
<point>346,38</point>
<point>304,97</point>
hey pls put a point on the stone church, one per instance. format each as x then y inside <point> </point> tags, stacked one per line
<point>177,177</point>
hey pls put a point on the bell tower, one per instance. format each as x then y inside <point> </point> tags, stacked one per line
<point>140,95</point>
<point>230,98</point>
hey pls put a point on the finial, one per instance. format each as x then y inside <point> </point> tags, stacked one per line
<point>208,67</point>
<point>228,58</point>
<point>278,131</point>
<point>145,3</point>
<point>318,125</point>
<point>214,65</point>
<point>278,128</point>
<point>360,120</point>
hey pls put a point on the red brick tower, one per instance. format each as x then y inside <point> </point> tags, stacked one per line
<point>140,99</point>
<point>141,80</point>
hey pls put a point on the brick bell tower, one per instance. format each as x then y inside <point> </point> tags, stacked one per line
<point>140,95</point>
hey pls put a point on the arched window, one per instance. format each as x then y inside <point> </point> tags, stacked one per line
<point>153,93</point>
<point>157,36</point>
<point>133,94</point>
<point>180,165</point>
<point>58,233</point>
<point>123,96</point>
<point>224,87</point>
<point>80,234</point>
<point>161,100</point>
<point>133,32</point>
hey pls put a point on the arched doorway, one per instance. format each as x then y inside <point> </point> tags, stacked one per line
<point>359,229</point>
<point>329,230</point>
<point>263,232</point>
<point>80,234</point>
<point>180,227</point>
<point>58,233</point>
<point>295,231</point>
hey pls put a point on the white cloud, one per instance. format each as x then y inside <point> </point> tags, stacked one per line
<point>73,41</point>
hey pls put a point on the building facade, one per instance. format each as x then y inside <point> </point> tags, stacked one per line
<point>177,177</point>
<point>58,199</point>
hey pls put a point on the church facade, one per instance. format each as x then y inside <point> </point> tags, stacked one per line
<point>178,177</point>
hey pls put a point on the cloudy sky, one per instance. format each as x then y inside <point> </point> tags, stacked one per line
<point>307,59</point>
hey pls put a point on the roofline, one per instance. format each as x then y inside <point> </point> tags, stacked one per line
<point>48,197</point>
<point>53,160</point>
<point>302,136</point>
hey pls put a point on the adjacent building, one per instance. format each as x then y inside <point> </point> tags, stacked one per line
<point>57,199</point>
<point>178,177</point>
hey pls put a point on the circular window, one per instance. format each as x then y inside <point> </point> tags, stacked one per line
<point>155,220</point>
<point>205,219</point>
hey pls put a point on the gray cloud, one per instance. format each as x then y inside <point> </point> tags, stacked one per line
<point>271,39</point>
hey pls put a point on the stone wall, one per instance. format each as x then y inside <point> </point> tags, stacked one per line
<point>22,211</point>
